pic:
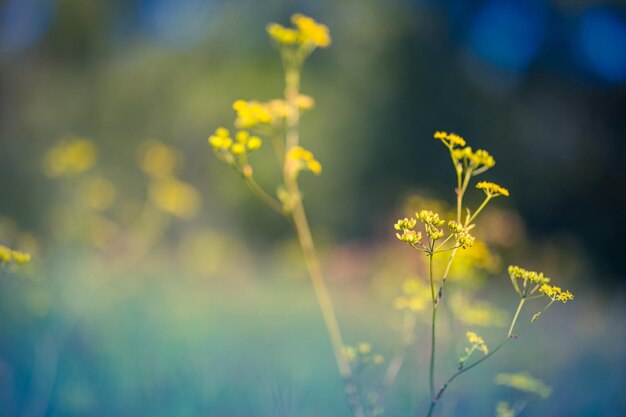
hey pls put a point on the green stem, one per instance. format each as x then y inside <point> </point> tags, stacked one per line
<point>519,309</point>
<point>478,210</point>
<point>509,336</point>
<point>433,330</point>
<point>305,238</point>
<point>263,195</point>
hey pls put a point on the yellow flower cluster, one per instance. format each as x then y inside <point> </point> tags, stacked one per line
<point>477,342</point>
<point>522,381</point>
<point>157,159</point>
<point>503,409</point>
<point>362,355</point>
<point>415,298</point>
<point>306,31</point>
<point>556,293</point>
<point>251,114</point>
<point>450,139</point>
<point>225,145</point>
<point>301,159</point>
<point>516,272</point>
<point>175,197</point>
<point>480,158</point>
<point>462,236</point>
<point>431,222</point>
<point>69,158</point>
<point>408,235</point>
<point>166,192</point>
<point>8,255</point>
<point>492,189</point>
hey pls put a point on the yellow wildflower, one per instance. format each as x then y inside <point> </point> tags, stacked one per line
<point>301,159</point>
<point>69,158</point>
<point>238,149</point>
<point>281,34</point>
<point>450,139</point>
<point>226,147</point>
<point>431,222</point>
<point>157,159</point>
<point>8,255</point>
<point>480,158</point>
<point>242,136</point>
<point>280,109</point>
<point>310,31</point>
<point>350,353</point>
<point>304,102</point>
<point>409,236</point>
<point>522,381</point>
<point>405,223</point>
<point>221,139</point>
<point>477,342</point>
<point>254,143</point>
<point>364,348</point>
<point>535,277</point>
<point>416,296</point>
<point>503,409</point>
<point>175,197</point>
<point>429,218</point>
<point>251,114</point>
<point>463,237</point>
<point>556,293</point>
<point>492,189</point>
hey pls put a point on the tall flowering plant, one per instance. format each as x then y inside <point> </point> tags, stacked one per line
<point>429,233</point>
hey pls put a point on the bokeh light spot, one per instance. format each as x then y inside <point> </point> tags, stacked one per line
<point>22,23</point>
<point>602,43</point>
<point>508,34</point>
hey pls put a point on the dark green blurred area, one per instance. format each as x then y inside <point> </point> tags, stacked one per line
<point>213,315</point>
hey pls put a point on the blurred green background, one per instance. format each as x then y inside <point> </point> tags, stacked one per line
<point>200,305</point>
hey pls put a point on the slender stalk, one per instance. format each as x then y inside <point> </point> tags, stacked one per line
<point>478,210</point>
<point>519,308</point>
<point>305,238</point>
<point>509,336</point>
<point>433,328</point>
<point>263,195</point>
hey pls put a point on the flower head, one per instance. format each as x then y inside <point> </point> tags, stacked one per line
<point>305,31</point>
<point>431,222</point>
<point>281,34</point>
<point>310,31</point>
<point>8,255</point>
<point>492,189</point>
<point>450,139</point>
<point>463,237</point>
<point>228,148</point>
<point>556,293</point>
<point>517,272</point>
<point>415,296</point>
<point>477,342</point>
<point>522,381</point>
<point>477,159</point>
<point>69,158</point>
<point>251,114</point>
<point>300,159</point>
